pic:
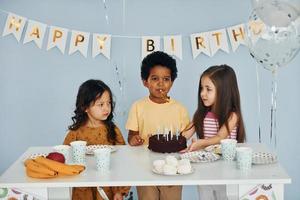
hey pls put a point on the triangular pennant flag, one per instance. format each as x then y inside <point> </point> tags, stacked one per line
<point>256,29</point>
<point>173,45</point>
<point>79,42</point>
<point>57,38</point>
<point>101,44</point>
<point>150,44</point>
<point>35,32</point>
<point>218,40</point>
<point>14,25</point>
<point>200,44</point>
<point>237,36</point>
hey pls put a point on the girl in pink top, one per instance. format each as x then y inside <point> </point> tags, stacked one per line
<point>218,115</point>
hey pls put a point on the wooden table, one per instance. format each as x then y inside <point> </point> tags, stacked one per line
<point>133,166</point>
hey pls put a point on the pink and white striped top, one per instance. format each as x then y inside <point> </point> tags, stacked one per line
<point>211,127</point>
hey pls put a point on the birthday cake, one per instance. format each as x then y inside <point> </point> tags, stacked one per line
<point>167,143</point>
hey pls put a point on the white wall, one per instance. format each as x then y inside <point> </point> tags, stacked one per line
<point>38,87</point>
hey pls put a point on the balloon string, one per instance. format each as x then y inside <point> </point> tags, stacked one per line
<point>112,61</point>
<point>258,103</point>
<point>106,12</point>
<point>273,137</point>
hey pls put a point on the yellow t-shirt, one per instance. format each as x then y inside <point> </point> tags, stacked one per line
<point>147,117</point>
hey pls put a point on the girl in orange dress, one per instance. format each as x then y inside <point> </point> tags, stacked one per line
<point>93,123</point>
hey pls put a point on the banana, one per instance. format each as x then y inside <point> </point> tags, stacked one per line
<point>57,166</point>
<point>80,168</point>
<point>39,168</point>
<point>34,174</point>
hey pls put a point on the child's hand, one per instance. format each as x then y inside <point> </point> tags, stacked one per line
<point>136,140</point>
<point>196,145</point>
<point>118,196</point>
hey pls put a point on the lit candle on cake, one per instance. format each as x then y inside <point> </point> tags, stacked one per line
<point>166,132</point>
<point>158,132</point>
<point>171,132</point>
<point>177,133</point>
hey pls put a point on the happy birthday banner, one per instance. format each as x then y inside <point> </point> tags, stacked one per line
<point>208,43</point>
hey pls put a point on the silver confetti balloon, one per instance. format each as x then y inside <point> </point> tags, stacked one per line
<point>274,34</point>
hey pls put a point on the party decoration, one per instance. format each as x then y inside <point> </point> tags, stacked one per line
<point>150,44</point>
<point>273,38</point>
<point>14,25</point>
<point>79,42</point>
<point>106,12</point>
<point>35,32</point>
<point>101,44</point>
<point>173,45</point>
<point>237,36</point>
<point>273,41</point>
<point>200,44</point>
<point>218,40</point>
<point>57,38</point>
<point>208,42</point>
<point>294,3</point>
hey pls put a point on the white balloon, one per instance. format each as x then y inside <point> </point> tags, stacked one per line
<point>273,34</point>
<point>294,3</point>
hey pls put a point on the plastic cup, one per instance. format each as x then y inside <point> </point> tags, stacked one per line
<point>244,158</point>
<point>78,152</point>
<point>228,147</point>
<point>65,150</point>
<point>102,156</point>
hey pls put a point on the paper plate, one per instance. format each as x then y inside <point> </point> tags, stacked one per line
<point>214,149</point>
<point>34,155</point>
<point>177,174</point>
<point>262,158</point>
<point>201,156</point>
<point>90,149</point>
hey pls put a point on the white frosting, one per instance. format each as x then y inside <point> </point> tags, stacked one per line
<point>171,160</point>
<point>172,166</point>
<point>184,162</point>
<point>169,169</point>
<point>184,169</point>
<point>158,165</point>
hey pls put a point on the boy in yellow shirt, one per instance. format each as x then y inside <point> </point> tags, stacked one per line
<point>158,110</point>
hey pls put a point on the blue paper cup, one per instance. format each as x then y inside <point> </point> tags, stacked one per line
<point>244,158</point>
<point>228,147</point>
<point>102,159</point>
<point>78,152</point>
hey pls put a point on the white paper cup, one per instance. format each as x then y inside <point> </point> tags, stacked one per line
<point>65,150</point>
<point>78,152</point>
<point>102,159</point>
<point>244,158</point>
<point>228,147</point>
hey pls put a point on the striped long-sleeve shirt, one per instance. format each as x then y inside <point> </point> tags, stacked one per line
<point>211,127</point>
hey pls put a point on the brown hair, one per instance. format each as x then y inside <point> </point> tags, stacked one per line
<point>227,100</point>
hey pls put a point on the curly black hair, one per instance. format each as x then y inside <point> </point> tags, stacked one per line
<point>88,93</point>
<point>158,58</point>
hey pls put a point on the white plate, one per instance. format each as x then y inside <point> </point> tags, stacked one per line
<point>261,158</point>
<point>214,149</point>
<point>90,149</point>
<point>177,174</point>
<point>200,156</point>
<point>34,155</point>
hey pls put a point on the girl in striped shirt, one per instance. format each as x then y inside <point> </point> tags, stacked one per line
<point>217,117</point>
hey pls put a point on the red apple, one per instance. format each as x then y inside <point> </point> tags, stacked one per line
<point>56,156</point>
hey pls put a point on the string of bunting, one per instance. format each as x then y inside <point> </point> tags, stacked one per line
<point>208,43</point>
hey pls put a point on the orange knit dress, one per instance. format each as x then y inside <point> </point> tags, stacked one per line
<point>95,136</point>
